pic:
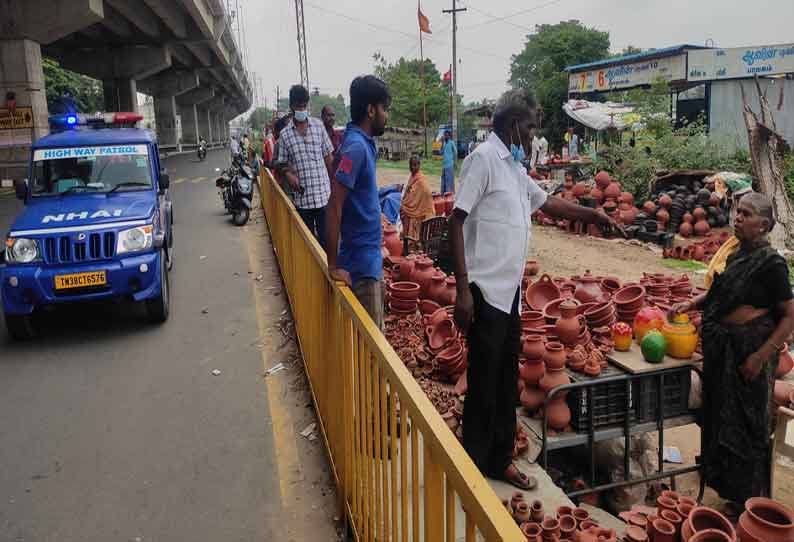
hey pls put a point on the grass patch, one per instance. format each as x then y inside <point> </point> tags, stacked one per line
<point>684,265</point>
<point>431,168</point>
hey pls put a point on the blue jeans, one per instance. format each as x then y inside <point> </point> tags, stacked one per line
<point>448,180</point>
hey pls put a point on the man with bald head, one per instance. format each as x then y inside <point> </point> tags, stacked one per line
<point>329,115</point>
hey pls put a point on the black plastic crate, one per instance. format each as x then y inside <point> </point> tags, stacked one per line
<point>609,401</point>
<point>675,394</point>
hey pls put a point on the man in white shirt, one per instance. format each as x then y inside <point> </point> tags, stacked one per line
<point>490,231</point>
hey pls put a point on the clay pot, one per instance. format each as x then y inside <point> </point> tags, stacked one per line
<point>597,194</point>
<point>684,509</point>
<point>532,398</point>
<point>784,362</point>
<point>699,214</point>
<point>592,368</point>
<point>568,326</point>
<point>702,518</point>
<point>765,520</point>
<point>710,535</point>
<point>612,191</point>
<point>450,292</point>
<point>610,284</point>
<point>688,218</point>
<point>665,503</point>
<point>534,347</point>
<point>627,197</point>
<point>662,216</point>
<point>516,498</point>
<point>673,517</point>
<point>552,379</point>
<point>685,229</point>
<point>554,357</point>
<point>438,204</point>
<point>402,271</point>
<point>564,511</point>
<point>579,189</point>
<point>781,393</point>
<point>405,291</point>
<point>536,511</point>
<point>663,531</point>
<point>649,208</point>
<point>440,334</point>
<point>531,268</point>
<point>558,414</point>
<point>629,298</point>
<point>635,534</point>
<point>581,514</point>
<point>589,289</point>
<point>392,241</point>
<point>551,529</point>
<point>435,290</point>
<point>532,531</point>
<point>540,293</point>
<point>428,306</point>
<point>702,228</point>
<point>422,274</point>
<point>602,179</point>
<point>521,512</point>
<point>567,526</point>
<point>449,202</point>
<point>665,201</point>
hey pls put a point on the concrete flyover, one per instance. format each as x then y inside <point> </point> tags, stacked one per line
<point>181,52</point>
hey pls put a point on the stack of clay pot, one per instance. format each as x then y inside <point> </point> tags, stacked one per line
<point>701,251</point>
<point>444,341</point>
<point>442,289</point>
<point>531,369</point>
<point>557,412</point>
<point>765,519</point>
<point>403,297</point>
<point>438,204</point>
<point>629,300</point>
<point>567,524</point>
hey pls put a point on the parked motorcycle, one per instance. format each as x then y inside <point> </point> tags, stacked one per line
<point>236,188</point>
<point>202,151</point>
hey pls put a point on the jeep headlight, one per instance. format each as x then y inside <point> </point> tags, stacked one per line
<point>21,250</point>
<point>135,239</point>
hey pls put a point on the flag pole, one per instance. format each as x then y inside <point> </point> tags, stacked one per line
<point>422,79</point>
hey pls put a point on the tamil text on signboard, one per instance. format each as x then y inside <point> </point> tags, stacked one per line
<point>629,75</point>
<point>739,62</point>
<point>16,126</point>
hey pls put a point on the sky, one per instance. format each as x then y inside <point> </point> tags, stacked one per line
<point>343,35</point>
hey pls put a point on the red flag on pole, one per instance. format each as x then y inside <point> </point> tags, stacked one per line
<point>448,76</point>
<point>424,22</point>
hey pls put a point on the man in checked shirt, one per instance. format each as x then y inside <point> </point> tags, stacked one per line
<point>305,146</point>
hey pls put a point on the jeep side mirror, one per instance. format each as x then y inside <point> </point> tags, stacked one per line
<point>21,188</point>
<point>165,181</point>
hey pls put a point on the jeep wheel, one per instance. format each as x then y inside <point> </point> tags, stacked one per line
<point>158,308</point>
<point>20,326</point>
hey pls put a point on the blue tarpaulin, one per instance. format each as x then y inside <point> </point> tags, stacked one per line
<point>390,198</point>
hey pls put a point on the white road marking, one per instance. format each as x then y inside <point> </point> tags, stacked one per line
<point>180,180</point>
<point>198,180</point>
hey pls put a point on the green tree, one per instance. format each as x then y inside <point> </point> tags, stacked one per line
<point>259,118</point>
<point>653,107</point>
<point>405,85</point>
<point>539,67</point>
<point>87,92</point>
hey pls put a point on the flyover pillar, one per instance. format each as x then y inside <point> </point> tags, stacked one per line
<point>165,113</point>
<point>190,124</point>
<point>21,74</point>
<point>121,94</point>
<point>204,124</point>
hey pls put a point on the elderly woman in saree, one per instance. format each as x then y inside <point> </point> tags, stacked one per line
<point>748,314</point>
<point>417,201</point>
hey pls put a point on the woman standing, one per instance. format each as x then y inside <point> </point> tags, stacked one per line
<point>747,315</point>
<point>417,201</point>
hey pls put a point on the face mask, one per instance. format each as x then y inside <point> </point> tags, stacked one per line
<point>518,150</point>
<point>301,116</point>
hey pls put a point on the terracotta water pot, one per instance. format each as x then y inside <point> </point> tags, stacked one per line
<point>552,379</point>
<point>532,370</point>
<point>629,298</point>
<point>702,228</point>
<point>428,306</point>
<point>568,325</point>
<point>534,347</point>
<point>516,498</point>
<point>699,214</point>
<point>602,179</point>
<point>438,204</point>
<point>665,201</point>
<point>555,356</point>
<point>532,319</point>
<point>392,240</point>
<point>558,414</point>
<point>702,518</point>
<point>765,520</point>
<point>532,531</point>
<point>406,291</point>
<point>635,534</point>
<point>551,529</point>
<point>449,202</point>
<point>685,229</point>
<point>580,514</point>
<point>567,527</point>
<point>423,272</point>
<point>612,191</point>
<point>403,270</point>
<point>589,288</point>
<point>665,503</point>
<point>610,284</point>
<point>662,216</point>
<point>441,333</point>
<point>564,511</point>
<point>532,398</point>
<point>673,517</point>
<point>649,208</point>
<point>435,290</point>
<point>597,194</point>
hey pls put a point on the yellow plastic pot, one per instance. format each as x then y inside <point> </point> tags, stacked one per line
<point>681,336</point>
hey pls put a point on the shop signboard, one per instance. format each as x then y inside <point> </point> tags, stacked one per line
<point>740,62</point>
<point>672,68</point>
<point>16,126</point>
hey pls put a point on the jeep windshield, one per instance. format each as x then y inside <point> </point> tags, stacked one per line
<point>101,169</point>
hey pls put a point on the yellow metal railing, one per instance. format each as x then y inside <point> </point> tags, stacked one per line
<point>400,472</point>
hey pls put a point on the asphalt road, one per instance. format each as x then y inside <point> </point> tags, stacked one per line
<point>115,429</point>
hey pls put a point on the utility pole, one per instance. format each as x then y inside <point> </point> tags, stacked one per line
<point>302,58</point>
<point>454,11</point>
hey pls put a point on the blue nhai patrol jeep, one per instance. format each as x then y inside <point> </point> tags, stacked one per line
<point>97,222</point>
